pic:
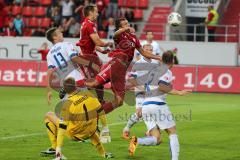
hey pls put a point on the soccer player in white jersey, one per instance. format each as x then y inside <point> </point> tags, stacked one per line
<point>150,40</point>
<point>139,70</point>
<point>155,111</point>
<point>61,60</point>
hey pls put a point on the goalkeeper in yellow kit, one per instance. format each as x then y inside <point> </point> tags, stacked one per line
<point>77,119</point>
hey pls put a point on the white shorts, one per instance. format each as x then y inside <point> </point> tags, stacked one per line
<point>157,115</point>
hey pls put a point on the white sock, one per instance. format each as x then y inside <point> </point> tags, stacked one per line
<point>147,141</point>
<point>105,129</point>
<point>174,146</point>
<point>132,120</point>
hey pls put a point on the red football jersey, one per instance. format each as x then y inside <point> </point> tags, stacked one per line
<point>86,43</point>
<point>126,43</point>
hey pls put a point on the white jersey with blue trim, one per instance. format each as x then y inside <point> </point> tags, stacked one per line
<point>139,69</point>
<point>153,94</point>
<point>59,57</point>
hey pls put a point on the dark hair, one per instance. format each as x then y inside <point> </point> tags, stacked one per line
<point>118,22</point>
<point>168,57</point>
<point>50,33</point>
<point>88,8</point>
<point>69,85</point>
<point>148,32</point>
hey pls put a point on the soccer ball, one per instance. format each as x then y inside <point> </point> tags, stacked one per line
<point>174,19</point>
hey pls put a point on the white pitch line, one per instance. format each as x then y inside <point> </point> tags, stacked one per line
<point>21,136</point>
<point>37,134</point>
<point>111,124</point>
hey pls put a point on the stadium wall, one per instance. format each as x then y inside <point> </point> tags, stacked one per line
<point>196,78</point>
<point>189,53</point>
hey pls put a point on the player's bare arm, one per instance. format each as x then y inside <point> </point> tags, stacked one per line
<point>99,49</point>
<point>148,54</point>
<point>98,42</point>
<point>122,30</point>
<point>168,89</point>
<point>49,92</point>
<point>133,83</point>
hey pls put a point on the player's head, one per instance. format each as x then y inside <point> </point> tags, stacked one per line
<point>69,85</point>
<point>54,35</point>
<point>168,58</point>
<point>149,35</point>
<point>121,23</point>
<point>91,12</point>
<point>148,47</point>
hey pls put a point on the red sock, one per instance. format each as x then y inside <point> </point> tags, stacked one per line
<point>100,93</point>
<point>108,107</point>
<point>81,83</point>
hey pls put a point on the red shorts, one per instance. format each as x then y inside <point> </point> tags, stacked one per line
<point>114,71</point>
<point>88,71</point>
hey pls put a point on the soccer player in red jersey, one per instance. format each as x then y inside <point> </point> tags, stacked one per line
<point>115,70</point>
<point>89,40</point>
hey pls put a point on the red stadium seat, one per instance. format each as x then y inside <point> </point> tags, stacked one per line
<point>121,3</point>
<point>106,2</point>
<point>138,14</point>
<point>25,21</point>
<point>40,11</point>
<point>27,32</point>
<point>143,3</point>
<point>156,36</point>
<point>153,28</point>
<point>102,34</point>
<point>27,11</point>
<point>46,2</point>
<point>8,9</point>
<point>131,3</point>
<point>33,22</point>
<point>16,10</point>
<point>8,20</point>
<point>45,22</point>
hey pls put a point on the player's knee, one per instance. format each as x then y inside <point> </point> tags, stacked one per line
<point>119,101</point>
<point>48,115</point>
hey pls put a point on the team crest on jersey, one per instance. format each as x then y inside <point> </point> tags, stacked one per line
<point>126,44</point>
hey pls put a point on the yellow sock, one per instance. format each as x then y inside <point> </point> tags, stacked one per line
<point>103,119</point>
<point>52,132</point>
<point>96,142</point>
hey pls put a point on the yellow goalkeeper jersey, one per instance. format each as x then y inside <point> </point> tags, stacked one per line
<point>80,114</point>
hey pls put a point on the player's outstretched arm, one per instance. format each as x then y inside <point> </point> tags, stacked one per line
<point>98,42</point>
<point>148,54</point>
<point>122,30</point>
<point>180,92</point>
<point>168,89</point>
<point>60,137</point>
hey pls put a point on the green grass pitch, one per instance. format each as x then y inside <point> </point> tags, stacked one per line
<point>212,132</point>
